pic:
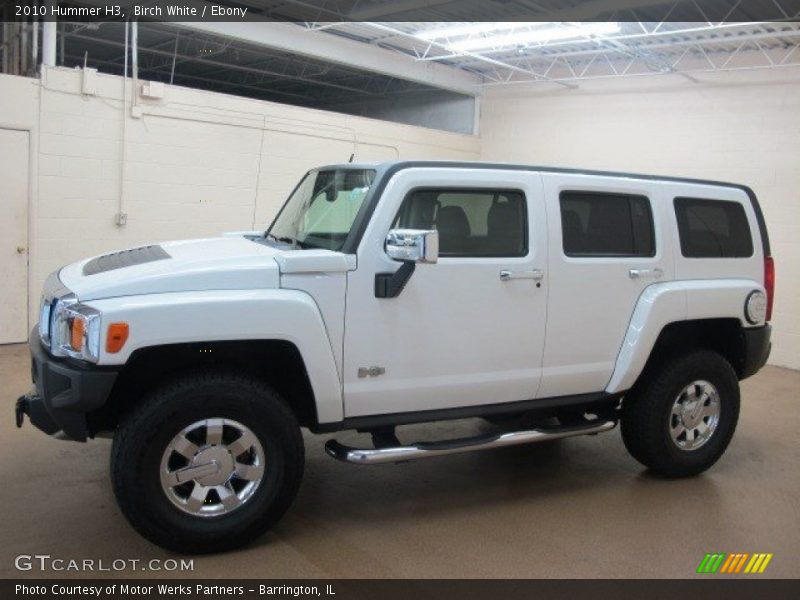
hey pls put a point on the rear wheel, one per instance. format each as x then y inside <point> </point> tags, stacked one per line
<point>207,463</point>
<point>680,420</point>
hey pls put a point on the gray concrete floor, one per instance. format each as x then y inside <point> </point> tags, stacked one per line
<point>574,508</point>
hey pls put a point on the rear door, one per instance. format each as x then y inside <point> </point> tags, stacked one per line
<point>606,246</point>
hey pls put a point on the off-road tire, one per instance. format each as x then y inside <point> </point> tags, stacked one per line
<point>646,414</point>
<point>144,434</point>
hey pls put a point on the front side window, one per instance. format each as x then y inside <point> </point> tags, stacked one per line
<point>713,229</point>
<point>605,224</point>
<point>469,222</point>
<point>321,211</point>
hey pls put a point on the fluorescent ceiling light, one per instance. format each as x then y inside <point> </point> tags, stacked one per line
<point>469,29</point>
<point>480,36</point>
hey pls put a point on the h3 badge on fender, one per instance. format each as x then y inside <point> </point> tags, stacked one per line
<point>370,372</point>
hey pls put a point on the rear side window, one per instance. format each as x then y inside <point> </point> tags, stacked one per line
<point>713,228</point>
<point>469,222</point>
<point>605,224</point>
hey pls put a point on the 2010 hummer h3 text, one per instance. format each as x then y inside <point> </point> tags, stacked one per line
<point>550,302</point>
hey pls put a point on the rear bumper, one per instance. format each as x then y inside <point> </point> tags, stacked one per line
<point>64,392</point>
<point>757,346</point>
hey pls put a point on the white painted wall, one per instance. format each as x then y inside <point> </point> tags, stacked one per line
<point>197,163</point>
<point>742,127</point>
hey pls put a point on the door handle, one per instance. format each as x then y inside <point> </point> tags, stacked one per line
<point>642,273</point>
<point>535,274</point>
<point>21,249</point>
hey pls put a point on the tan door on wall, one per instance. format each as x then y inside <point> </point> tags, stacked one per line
<point>13,236</point>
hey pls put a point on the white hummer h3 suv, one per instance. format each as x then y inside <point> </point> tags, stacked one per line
<point>550,302</point>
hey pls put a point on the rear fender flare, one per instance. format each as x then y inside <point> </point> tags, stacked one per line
<point>663,303</point>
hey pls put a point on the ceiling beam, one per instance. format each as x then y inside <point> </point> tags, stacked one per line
<point>297,39</point>
<point>477,56</point>
<point>716,45</point>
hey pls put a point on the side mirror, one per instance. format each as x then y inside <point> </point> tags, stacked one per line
<point>413,245</point>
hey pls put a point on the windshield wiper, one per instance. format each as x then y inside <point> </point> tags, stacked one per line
<point>285,239</point>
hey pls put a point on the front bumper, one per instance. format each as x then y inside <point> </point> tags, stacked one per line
<point>64,392</point>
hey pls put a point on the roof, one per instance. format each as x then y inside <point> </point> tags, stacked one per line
<point>397,165</point>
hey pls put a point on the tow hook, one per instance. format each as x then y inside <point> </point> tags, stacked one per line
<point>21,409</point>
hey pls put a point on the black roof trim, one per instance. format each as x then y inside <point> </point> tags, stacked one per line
<point>388,170</point>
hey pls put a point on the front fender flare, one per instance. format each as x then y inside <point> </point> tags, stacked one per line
<point>230,315</point>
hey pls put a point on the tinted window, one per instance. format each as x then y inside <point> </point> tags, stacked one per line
<point>713,229</point>
<point>469,222</point>
<point>602,224</point>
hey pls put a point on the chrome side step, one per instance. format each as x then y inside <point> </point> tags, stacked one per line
<point>371,456</point>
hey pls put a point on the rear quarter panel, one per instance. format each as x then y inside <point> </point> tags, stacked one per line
<point>701,288</point>
<point>715,268</point>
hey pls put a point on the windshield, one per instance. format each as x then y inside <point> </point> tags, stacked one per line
<point>321,211</point>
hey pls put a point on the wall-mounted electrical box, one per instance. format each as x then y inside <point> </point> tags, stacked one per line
<point>153,89</point>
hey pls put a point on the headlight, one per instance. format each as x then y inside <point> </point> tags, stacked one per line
<point>755,308</point>
<point>53,291</point>
<point>44,320</point>
<point>75,330</point>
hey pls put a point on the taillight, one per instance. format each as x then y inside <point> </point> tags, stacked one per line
<point>769,283</point>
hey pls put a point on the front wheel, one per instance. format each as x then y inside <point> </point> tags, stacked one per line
<point>207,463</point>
<point>679,421</point>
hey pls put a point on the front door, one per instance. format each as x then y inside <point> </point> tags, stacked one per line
<point>14,236</point>
<point>467,330</point>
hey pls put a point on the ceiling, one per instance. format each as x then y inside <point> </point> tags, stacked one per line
<point>678,38</point>
<point>638,48</point>
<point>683,37</point>
<point>217,63</point>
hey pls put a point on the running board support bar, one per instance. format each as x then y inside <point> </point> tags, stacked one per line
<point>371,456</point>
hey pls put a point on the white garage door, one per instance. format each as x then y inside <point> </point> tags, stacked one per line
<point>13,236</point>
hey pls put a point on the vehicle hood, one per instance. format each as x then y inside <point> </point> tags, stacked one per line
<point>204,264</point>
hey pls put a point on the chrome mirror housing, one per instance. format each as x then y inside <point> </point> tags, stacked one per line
<point>413,245</point>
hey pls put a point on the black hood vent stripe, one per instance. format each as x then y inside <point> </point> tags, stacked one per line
<point>125,258</point>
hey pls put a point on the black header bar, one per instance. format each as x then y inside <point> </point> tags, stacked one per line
<point>320,11</point>
<point>710,587</point>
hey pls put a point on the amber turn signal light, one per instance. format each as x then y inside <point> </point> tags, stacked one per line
<point>116,338</point>
<point>77,330</point>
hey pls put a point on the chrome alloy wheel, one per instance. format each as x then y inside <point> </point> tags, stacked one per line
<point>695,415</point>
<point>212,467</point>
